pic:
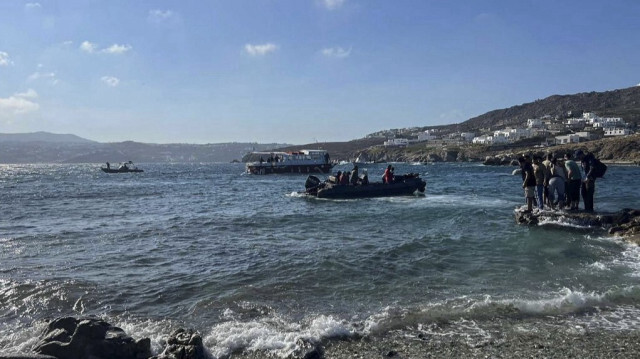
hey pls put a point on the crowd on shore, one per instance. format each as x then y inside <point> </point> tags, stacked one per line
<point>557,181</point>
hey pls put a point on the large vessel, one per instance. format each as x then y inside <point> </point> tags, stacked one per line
<point>302,161</point>
<point>402,185</point>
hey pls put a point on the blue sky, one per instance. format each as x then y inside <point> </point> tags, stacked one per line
<point>297,71</point>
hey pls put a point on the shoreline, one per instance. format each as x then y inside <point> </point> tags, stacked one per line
<point>548,337</point>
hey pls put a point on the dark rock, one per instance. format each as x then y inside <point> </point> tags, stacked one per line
<point>70,338</point>
<point>315,353</point>
<point>183,344</point>
<point>625,223</point>
<point>26,356</point>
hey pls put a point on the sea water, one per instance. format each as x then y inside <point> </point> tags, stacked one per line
<point>253,265</point>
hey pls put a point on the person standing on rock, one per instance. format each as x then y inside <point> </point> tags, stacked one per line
<point>547,177</point>
<point>528,180</point>
<point>557,180</point>
<point>588,188</point>
<point>573,178</point>
<point>539,172</point>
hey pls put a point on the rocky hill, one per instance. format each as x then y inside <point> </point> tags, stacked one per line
<point>43,147</point>
<point>623,103</point>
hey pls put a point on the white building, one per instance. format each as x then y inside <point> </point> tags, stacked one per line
<point>587,136</point>
<point>483,140</point>
<point>426,136</point>
<point>467,136</point>
<point>573,138</point>
<point>397,142</point>
<point>612,131</point>
<point>534,123</point>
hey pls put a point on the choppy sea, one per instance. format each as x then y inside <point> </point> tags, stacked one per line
<point>253,265</point>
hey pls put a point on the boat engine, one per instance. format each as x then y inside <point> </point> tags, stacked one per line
<point>312,182</point>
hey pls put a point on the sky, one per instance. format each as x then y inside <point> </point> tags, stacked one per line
<point>297,71</point>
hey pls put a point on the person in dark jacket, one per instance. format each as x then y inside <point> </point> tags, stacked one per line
<point>588,187</point>
<point>528,180</point>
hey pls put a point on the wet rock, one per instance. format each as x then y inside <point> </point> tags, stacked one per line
<point>70,338</point>
<point>26,356</point>
<point>183,344</point>
<point>625,223</point>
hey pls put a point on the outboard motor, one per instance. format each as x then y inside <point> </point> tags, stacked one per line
<point>312,182</point>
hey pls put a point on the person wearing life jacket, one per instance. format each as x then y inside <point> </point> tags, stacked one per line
<point>387,177</point>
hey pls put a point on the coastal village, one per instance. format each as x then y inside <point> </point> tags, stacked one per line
<point>547,130</point>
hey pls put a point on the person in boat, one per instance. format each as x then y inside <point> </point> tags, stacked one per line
<point>326,158</point>
<point>344,179</point>
<point>387,177</point>
<point>261,160</point>
<point>365,177</point>
<point>338,175</point>
<point>108,165</point>
<point>354,175</point>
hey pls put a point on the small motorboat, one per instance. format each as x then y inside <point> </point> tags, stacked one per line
<point>123,168</point>
<point>402,185</point>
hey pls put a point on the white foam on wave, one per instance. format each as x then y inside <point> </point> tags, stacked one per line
<point>18,337</point>
<point>156,330</point>
<point>276,335</point>
<point>466,200</point>
<point>631,259</point>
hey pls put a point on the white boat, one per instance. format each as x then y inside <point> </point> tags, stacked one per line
<point>302,161</point>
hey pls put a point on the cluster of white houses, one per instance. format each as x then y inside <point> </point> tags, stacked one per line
<point>586,128</point>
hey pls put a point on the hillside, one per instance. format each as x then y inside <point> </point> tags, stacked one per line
<point>42,147</point>
<point>42,137</point>
<point>623,103</point>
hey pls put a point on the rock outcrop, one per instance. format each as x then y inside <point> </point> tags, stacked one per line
<point>71,338</point>
<point>183,344</point>
<point>624,224</point>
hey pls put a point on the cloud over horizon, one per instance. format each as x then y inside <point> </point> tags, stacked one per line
<point>18,104</point>
<point>260,50</point>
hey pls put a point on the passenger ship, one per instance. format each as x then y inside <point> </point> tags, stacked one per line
<point>302,161</point>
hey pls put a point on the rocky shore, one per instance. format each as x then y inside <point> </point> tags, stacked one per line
<point>499,337</point>
<point>623,150</point>
<point>624,224</point>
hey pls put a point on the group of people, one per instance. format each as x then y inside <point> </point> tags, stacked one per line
<point>353,177</point>
<point>558,182</point>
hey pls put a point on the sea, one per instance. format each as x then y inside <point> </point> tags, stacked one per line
<point>253,265</point>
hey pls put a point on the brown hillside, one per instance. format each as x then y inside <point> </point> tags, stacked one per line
<point>623,103</point>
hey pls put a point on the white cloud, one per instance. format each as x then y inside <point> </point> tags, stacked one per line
<point>159,15</point>
<point>4,59</point>
<point>41,75</point>
<point>110,80</point>
<point>117,49</point>
<point>18,104</point>
<point>260,50</point>
<point>337,52</point>
<point>32,5</point>
<point>87,46</point>
<point>332,4</point>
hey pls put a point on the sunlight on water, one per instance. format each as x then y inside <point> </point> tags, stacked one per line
<point>253,264</point>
